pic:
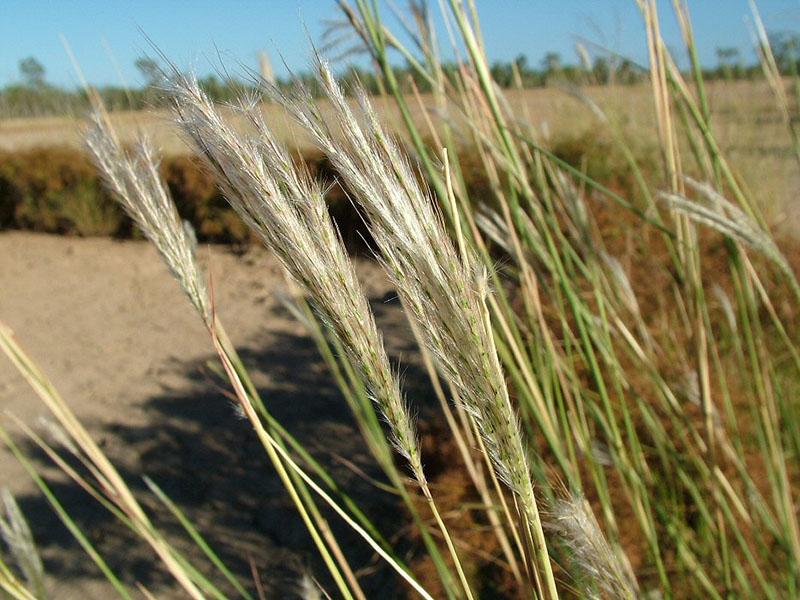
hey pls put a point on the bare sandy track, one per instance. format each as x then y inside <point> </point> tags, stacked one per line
<point>108,324</point>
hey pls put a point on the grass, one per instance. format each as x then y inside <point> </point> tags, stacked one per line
<point>602,336</point>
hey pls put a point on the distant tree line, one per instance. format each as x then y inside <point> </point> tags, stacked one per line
<point>35,96</point>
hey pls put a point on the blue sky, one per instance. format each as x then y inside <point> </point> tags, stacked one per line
<point>192,32</point>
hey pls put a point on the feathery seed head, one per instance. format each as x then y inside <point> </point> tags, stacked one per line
<point>17,535</point>
<point>444,290</point>
<point>134,181</point>
<point>717,212</point>
<point>287,208</point>
<point>574,520</point>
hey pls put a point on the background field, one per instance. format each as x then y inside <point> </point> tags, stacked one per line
<point>747,123</point>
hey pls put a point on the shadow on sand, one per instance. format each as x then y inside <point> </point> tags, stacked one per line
<point>209,462</point>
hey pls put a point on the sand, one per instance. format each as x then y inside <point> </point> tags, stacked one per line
<point>106,322</point>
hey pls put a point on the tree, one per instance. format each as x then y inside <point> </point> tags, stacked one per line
<point>627,73</point>
<point>551,64</point>
<point>728,60</point>
<point>786,47</point>
<point>601,70</point>
<point>214,88</point>
<point>502,74</point>
<point>32,72</point>
<point>521,63</point>
<point>149,70</point>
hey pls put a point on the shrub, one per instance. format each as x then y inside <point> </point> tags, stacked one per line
<point>55,190</point>
<point>200,202</point>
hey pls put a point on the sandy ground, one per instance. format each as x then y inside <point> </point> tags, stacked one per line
<point>107,323</point>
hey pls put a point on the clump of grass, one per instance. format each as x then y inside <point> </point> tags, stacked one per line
<point>443,288</point>
<point>557,371</point>
<point>288,210</point>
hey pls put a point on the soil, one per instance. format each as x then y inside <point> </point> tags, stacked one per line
<point>110,327</point>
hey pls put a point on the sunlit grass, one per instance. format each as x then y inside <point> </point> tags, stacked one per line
<point>608,358</point>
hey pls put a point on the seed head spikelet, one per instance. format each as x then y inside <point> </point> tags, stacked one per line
<point>134,181</point>
<point>287,208</point>
<point>16,534</point>
<point>717,212</point>
<point>574,520</point>
<point>444,290</point>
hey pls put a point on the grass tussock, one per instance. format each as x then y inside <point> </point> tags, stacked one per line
<point>612,339</point>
